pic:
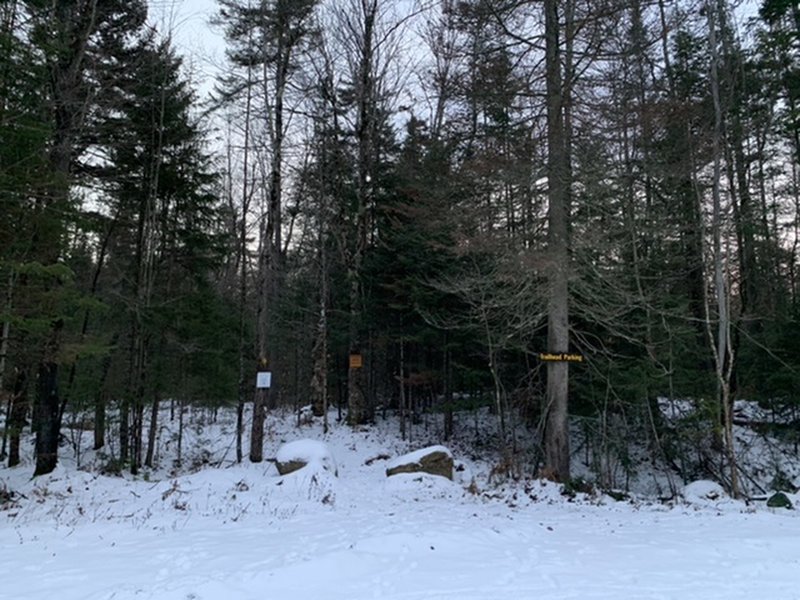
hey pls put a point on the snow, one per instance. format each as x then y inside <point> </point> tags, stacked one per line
<point>413,458</point>
<point>676,408</point>
<point>416,486</point>
<point>228,531</point>
<point>704,492</point>
<point>310,452</point>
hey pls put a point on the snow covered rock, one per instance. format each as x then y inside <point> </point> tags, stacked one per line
<point>295,455</point>
<point>435,460</point>
<point>703,492</point>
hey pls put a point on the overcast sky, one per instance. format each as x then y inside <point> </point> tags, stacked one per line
<point>201,45</point>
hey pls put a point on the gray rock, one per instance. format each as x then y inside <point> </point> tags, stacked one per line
<point>284,468</point>
<point>435,460</point>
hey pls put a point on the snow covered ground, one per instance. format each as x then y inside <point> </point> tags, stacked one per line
<point>242,532</point>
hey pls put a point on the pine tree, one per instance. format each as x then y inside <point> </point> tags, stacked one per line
<point>168,241</point>
<point>66,40</point>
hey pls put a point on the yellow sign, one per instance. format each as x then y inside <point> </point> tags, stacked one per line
<point>560,357</point>
<point>356,362</point>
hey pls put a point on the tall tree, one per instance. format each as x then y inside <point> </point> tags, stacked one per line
<point>63,34</point>
<point>556,444</point>
<point>269,34</point>
<point>367,33</point>
<point>721,338</point>
<point>168,239</point>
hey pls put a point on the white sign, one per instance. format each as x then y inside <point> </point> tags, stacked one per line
<point>263,379</point>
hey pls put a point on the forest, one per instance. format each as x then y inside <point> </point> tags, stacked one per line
<point>568,212</point>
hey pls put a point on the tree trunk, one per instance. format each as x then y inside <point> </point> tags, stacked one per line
<point>261,396</point>
<point>447,392</point>
<point>124,430</point>
<point>722,350</point>
<point>260,403</point>
<point>365,92</point>
<point>356,398</point>
<point>5,336</point>
<point>271,258</point>
<point>100,419</point>
<point>18,410</point>
<point>402,399</point>
<point>4,340</point>
<point>556,435</point>
<point>242,249</point>
<point>151,433</point>
<point>319,383</point>
<point>47,406</point>
<point>179,457</point>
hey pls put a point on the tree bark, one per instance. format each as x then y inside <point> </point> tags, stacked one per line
<point>319,383</point>
<point>100,418</point>
<point>18,410</point>
<point>151,432</point>
<point>556,434</point>
<point>46,409</point>
<point>357,412</point>
<point>4,340</point>
<point>242,249</point>
<point>447,391</point>
<point>722,350</point>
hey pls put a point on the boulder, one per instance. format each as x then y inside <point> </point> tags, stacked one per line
<point>779,500</point>
<point>295,455</point>
<point>704,492</point>
<point>434,460</point>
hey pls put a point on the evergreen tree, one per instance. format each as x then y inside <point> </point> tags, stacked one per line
<point>168,240</point>
<point>65,39</point>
